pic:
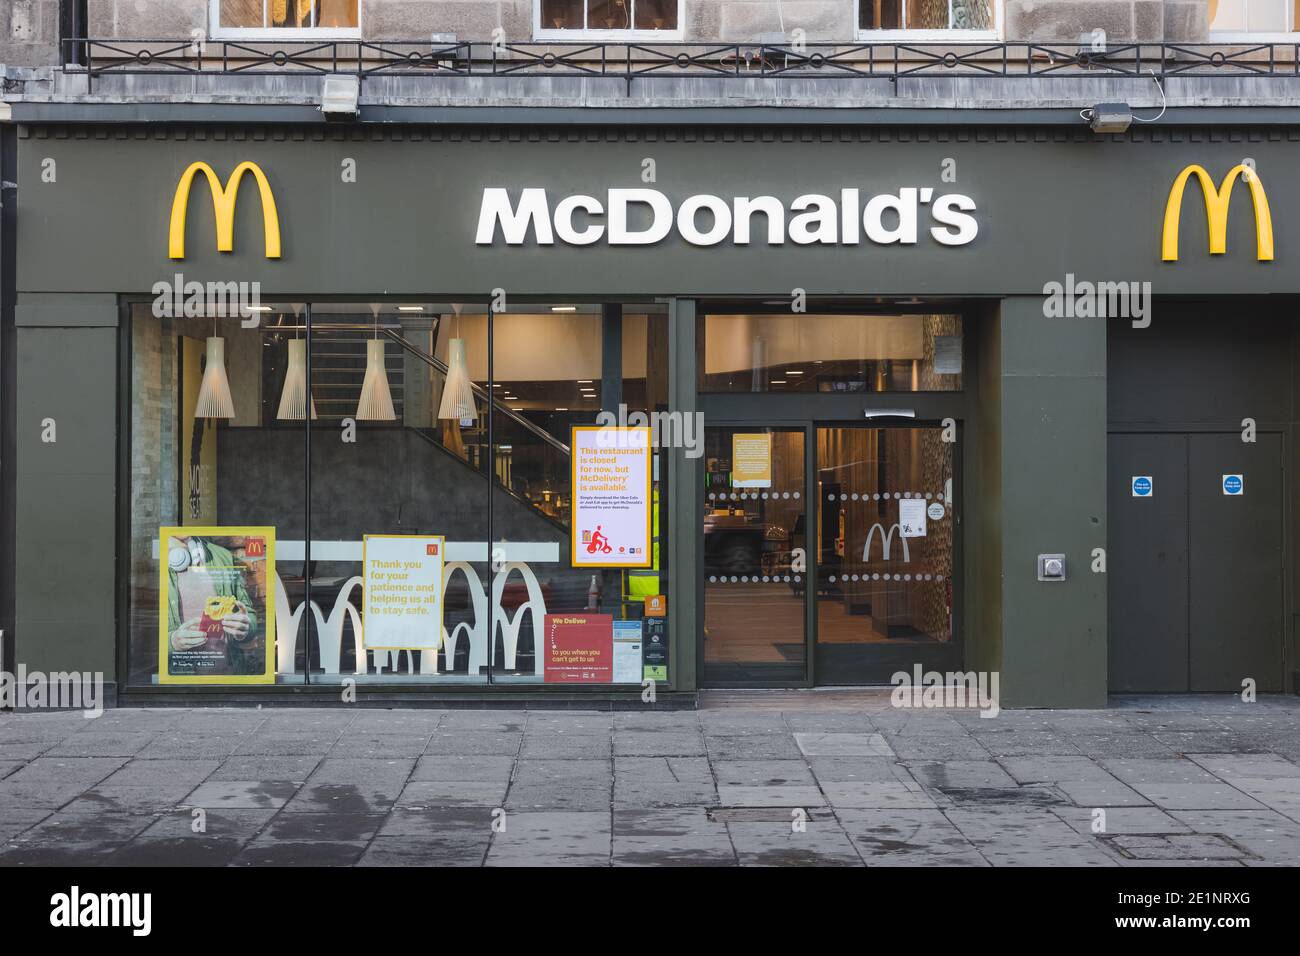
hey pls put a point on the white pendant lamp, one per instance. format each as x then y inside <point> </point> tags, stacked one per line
<point>214,391</point>
<point>376,404</point>
<point>293,400</point>
<point>458,392</point>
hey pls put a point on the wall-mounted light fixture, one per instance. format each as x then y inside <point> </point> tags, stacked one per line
<point>1109,117</point>
<point>340,97</point>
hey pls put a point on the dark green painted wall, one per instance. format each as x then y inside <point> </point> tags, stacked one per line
<point>66,523</point>
<point>1203,367</point>
<point>983,566</point>
<point>1052,454</point>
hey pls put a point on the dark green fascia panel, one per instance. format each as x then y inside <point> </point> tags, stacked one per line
<point>1052,437</point>
<point>66,525</point>
<point>1047,206</point>
<point>64,310</point>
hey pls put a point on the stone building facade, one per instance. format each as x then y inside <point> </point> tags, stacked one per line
<point>29,32</point>
<point>438,103</point>
<point>30,29</point>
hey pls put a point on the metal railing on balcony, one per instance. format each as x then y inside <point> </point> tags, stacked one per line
<point>632,62</point>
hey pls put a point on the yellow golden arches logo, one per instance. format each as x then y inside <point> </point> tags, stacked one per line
<point>223,205</point>
<point>1216,211</point>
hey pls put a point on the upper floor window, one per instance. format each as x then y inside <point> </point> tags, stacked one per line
<point>1253,19</point>
<point>607,19</point>
<point>286,18</point>
<point>914,19</point>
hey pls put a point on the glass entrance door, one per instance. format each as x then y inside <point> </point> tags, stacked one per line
<point>887,528</point>
<point>755,556</point>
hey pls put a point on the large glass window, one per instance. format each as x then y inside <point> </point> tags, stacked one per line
<point>394,476</point>
<point>975,16</point>
<point>832,353</point>
<point>1229,17</point>
<point>212,468</point>
<point>555,18</point>
<point>310,495</point>
<point>279,15</point>
<point>557,369</point>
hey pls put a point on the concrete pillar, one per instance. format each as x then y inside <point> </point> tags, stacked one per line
<point>1045,477</point>
<point>611,356</point>
<point>66,528</point>
<point>682,512</point>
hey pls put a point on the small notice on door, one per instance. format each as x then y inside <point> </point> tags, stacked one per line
<point>654,649</point>
<point>627,652</point>
<point>1142,486</point>
<point>1234,485</point>
<point>911,517</point>
<point>751,460</point>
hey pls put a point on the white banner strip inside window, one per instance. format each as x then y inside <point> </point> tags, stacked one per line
<point>537,552</point>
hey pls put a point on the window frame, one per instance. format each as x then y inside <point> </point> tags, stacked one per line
<point>1238,38</point>
<point>928,35</point>
<point>217,32</point>
<point>608,36</point>
<point>1248,37</point>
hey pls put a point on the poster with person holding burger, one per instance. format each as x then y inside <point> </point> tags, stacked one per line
<point>215,587</point>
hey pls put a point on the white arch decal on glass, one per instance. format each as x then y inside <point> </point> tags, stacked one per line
<point>510,625</point>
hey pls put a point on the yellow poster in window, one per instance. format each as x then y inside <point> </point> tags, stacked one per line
<point>402,596</point>
<point>751,460</point>
<point>611,517</point>
<point>216,605</point>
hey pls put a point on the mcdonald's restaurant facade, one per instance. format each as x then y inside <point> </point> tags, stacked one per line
<point>967,396</point>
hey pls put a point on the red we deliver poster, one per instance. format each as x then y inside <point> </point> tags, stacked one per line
<point>579,649</point>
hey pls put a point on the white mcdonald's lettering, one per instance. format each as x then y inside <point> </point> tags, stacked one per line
<point>708,220</point>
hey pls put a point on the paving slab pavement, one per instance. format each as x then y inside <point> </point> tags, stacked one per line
<point>838,778</point>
